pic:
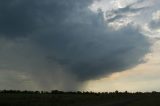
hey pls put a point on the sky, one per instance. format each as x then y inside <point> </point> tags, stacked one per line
<point>89,45</point>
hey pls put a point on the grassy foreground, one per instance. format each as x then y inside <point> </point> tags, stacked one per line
<point>59,98</point>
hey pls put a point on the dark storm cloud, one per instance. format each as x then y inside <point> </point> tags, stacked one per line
<point>14,18</point>
<point>51,35</point>
<point>23,17</point>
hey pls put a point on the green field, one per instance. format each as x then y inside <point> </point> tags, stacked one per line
<point>56,98</point>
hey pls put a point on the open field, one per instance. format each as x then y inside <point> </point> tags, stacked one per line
<point>56,98</point>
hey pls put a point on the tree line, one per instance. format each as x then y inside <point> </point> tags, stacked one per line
<point>73,92</point>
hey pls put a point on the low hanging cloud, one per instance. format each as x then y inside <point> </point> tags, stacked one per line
<point>60,44</point>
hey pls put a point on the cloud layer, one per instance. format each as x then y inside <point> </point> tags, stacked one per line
<point>62,43</point>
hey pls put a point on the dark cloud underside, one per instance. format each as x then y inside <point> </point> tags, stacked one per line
<point>41,37</point>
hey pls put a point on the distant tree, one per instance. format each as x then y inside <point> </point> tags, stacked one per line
<point>57,92</point>
<point>116,92</point>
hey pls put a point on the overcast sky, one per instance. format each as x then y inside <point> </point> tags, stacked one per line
<point>98,45</point>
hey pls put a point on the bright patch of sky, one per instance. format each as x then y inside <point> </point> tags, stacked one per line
<point>146,15</point>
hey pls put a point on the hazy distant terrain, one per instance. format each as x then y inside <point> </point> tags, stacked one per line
<point>57,98</point>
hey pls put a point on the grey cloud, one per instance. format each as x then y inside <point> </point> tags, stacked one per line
<point>154,24</point>
<point>115,18</point>
<point>59,43</point>
<point>128,9</point>
<point>121,13</point>
<point>23,17</point>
